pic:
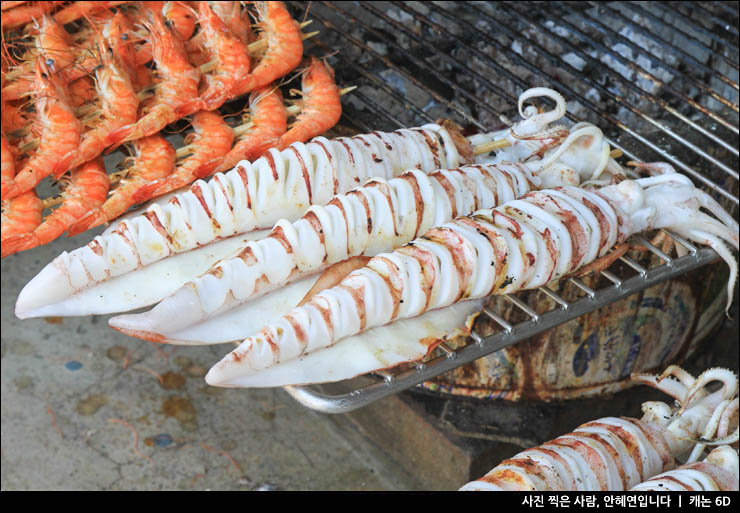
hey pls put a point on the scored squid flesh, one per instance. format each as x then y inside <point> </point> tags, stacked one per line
<point>718,472</point>
<point>522,244</point>
<point>374,218</point>
<point>249,197</point>
<point>620,453</point>
<point>279,185</point>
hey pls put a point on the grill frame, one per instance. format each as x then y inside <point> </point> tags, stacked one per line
<point>716,123</point>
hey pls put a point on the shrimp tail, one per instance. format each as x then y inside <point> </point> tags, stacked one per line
<point>169,184</point>
<point>63,165</point>
<point>20,242</point>
<point>211,101</point>
<point>90,220</point>
<point>155,188</point>
<point>7,190</point>
<point>23,182</point>
<point>189,107</point>
<point>206,169</point>
<point>117,137</point>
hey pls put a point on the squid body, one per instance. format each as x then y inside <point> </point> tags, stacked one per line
<point>377,217</point>
<point>622,453</point>
<point>252,196</point>
<point>522,244</point>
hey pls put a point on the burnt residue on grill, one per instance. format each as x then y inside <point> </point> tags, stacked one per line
<point>660,79</point>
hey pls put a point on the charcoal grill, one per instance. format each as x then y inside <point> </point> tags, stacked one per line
<point>660,79</point>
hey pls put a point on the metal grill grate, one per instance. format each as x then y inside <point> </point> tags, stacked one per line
<point>661,80</point>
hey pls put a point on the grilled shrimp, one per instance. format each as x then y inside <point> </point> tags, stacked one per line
<point>52,44</point>
<point>77,62</point>
<point>284,47</point>
<point>118,104</point>
<point>87,189</point>
<point>81,91</point>
<point>210,140</point>
<point>4,6</point>
<point>19,16</point>
<point>230,54</point>
<point>55,45</point>
<point>179,85</point>
<point>56,127</point>
<point>176,14</point>
<point>269,121</point>
<point>81,9</point>
<point>233,15</point>
<point>620,453</point>
<point>320,105</point>
<point>22,213</point>
<point>181,17</point>
<point>522,244</point>
<point>118,33</point>
<point>8,164</point>
<point>154,159</point>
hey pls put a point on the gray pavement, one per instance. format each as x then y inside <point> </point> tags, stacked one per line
<point>87,408</point>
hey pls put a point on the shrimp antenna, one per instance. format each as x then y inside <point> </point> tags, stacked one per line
<point>6,52</point>
<point>305,13</point>
<point>177,131</point>
<point>285,80</point>
<point>328,55</point>
<point>258,98</point>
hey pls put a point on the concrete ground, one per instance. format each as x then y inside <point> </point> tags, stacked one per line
<point>87,408</point>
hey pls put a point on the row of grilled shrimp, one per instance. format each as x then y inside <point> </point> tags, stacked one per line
<point>622,453</point>
<point>133,105</point>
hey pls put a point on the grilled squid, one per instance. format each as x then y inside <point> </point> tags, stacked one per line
<point>620,453</point>
<point>282,184</point>
<point>718,472</point>
<point>522,244</point>
<point>533,135</point>
<point>252,196</point>
<point>377,217</point>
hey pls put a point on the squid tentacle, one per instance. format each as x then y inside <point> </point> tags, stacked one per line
<point>625,453</point>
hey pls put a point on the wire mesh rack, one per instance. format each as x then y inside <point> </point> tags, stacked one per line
<point>661,80</point>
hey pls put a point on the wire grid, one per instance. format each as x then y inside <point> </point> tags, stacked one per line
<point>660,80</point>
